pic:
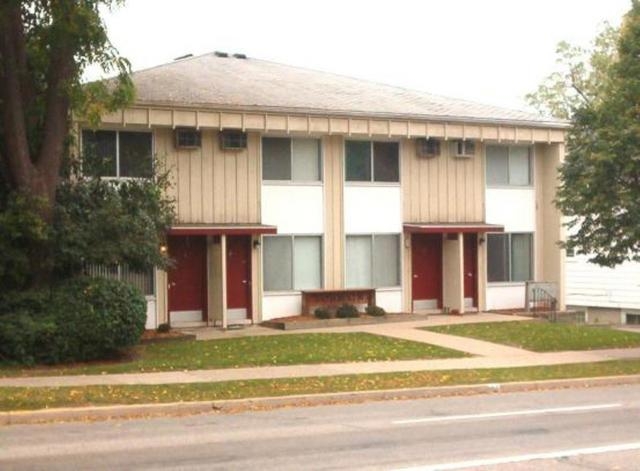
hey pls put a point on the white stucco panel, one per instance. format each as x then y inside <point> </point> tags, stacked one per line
<point>515,208</point>
<point>281,305</point>
<point>293,209</point>
<point>389,299</point>
<point>372,209</point>
<point>506,297</point>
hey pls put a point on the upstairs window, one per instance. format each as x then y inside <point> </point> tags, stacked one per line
<point>508,166</point>
<point>119,154</point>
<point>287,159</point>
<point>368,161</point>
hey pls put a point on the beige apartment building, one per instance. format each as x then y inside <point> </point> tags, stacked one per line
<point>288,180</point>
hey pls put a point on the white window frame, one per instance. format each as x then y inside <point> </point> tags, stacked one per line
<point>372,236</point>
<point>118,131</point>
<point>510,281</point>
<point>291,181</point>
<point>293,262</point>
<point>508,184</point>
<point>371,181</point>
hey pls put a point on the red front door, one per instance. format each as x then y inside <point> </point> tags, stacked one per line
<point>426,267</point>
<point>187,278</point>
<point>471,270</point>
<point>238,277</point>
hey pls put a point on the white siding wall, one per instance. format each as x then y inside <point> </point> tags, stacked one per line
<point>591,285</point>
<point>281,305</point>
<point>509,296</point>
<point>390,299</point>
<point>515,209</point>
<point>293,209</point>
<point>372,209</point>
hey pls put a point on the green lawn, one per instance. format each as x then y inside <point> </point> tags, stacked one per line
<point>38,398</point>
<point>541,336</point>
<point>289,349</point>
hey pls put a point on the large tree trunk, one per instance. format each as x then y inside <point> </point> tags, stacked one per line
<point>33,167</point>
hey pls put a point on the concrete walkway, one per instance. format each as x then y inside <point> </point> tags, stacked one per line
<point>487,355</point>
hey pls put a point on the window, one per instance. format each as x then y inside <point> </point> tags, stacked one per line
<point>373,260</point>
<point>188,138</point>
<point>368,161</point>
<point>117,154</point>
<point>508,166</point>
<point>292,262</point>
<point>510,257</point>
<point>287,159</point>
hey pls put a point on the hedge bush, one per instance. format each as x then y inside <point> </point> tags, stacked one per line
<point>346,311</point>
<point>375,311</point>
<point>322,313</point>
<point>82,319</point>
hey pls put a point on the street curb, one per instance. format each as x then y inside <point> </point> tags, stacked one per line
<point>306,400</point>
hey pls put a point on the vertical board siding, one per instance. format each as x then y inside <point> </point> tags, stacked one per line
<point>211,185</point>
<point>444,188</point>
<point>333,150</point>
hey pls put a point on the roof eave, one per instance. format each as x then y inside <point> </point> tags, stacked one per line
<point>551,124</point>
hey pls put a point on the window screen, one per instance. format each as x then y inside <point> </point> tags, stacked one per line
<point>278,263</point>
<point>358,259</point>
<point>497,257</point>
<point>306,160</point>
<point>386,260</point>
<point>520,257</point>
<point>497,165</point>
<point>358,161</point>
<point>135,154</point>
<point>276,158</point>
<point>99,153</point>
<point>385,162</point>
<point>307,270</point>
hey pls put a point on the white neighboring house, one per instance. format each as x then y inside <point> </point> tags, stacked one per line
<point>606,295</point>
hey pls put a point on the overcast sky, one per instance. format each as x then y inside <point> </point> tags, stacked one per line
<point>490,51</point>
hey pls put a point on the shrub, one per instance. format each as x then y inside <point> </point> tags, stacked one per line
<point>164,328</point>
<point>375,311</point>
<point>322,313</point>
<point>347,311</point>
<point>82,319</point>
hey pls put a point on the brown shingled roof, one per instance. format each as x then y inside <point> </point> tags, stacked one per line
<point>209,81</point>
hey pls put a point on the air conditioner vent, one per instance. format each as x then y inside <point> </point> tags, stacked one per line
<point>187,138</point>
<point>463,149</point>
<point>427,148</point>
<point>233,140</point>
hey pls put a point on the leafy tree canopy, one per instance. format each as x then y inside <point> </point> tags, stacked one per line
<point>599,91</point>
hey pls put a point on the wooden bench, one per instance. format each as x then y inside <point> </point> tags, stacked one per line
<point>312,299</point>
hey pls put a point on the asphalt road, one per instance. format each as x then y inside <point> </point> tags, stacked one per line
<point>591,429</point>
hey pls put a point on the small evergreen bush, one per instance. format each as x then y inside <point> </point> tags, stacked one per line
<point>375,311</point>
<point>322,313</point>
<point>347,311</point>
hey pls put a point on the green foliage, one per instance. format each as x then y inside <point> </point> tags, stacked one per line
<point>82,319</point>
<point>106,222</point>
<point>347,311</point>
<point>375,311</point>
<point>600,178</point>
<point>322,313</point>
<point>20,228</point>
<point>164,328</point>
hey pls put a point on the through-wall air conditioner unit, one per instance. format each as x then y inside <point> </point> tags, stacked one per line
<point>233,140</point>
<point>463,149</point>
<point>187,138</point>
<point>427,148</point>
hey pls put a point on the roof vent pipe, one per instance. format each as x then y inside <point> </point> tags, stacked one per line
<point>240,56</point>
<point>220,54</point>
<point>186,56</point>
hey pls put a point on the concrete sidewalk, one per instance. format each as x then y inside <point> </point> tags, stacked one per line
<point>487,355</point>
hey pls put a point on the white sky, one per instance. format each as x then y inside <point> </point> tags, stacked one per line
<point>490,51</point>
